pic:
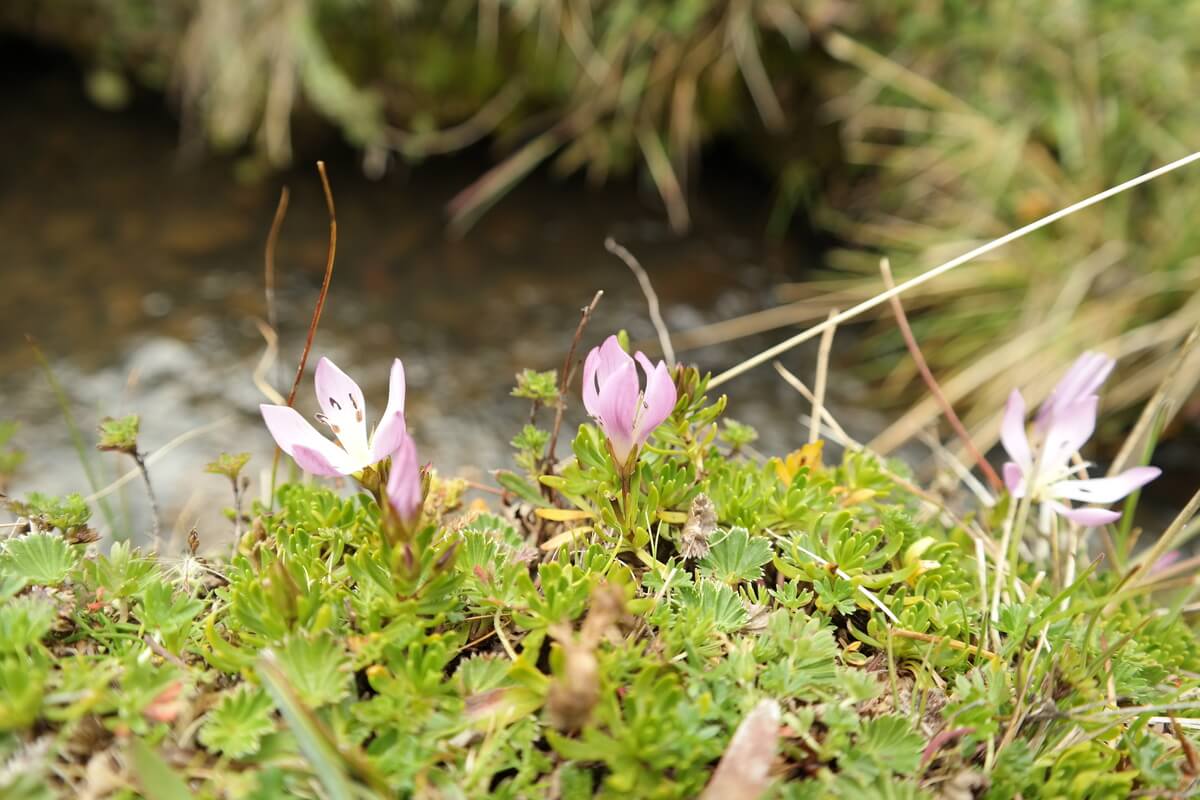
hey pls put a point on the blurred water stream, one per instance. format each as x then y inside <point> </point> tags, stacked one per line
<point>141,279</point>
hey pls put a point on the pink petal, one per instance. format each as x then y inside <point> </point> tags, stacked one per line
<point>404,481</point>
<point>617,406</point>
<point>388,436</point>
<point>1083,379</point>
<point>602,363</point>
<point>1070,428</point>
<point>1088,517</point>
<point>658,401</point>
<point>337,392</point>
<point>1105,490</point>
<point>1012,432</point>
<point>591,394</point>
<point>292,431</point>
<point>316,463</point>
<point>612,357</point>
<point>343,405</point>
<point>1014,479</point>
<point>391,426</point>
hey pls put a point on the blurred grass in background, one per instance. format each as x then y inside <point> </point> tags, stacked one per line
<point>908,128</point>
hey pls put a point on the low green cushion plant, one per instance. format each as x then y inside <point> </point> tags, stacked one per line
<point>689,619</point>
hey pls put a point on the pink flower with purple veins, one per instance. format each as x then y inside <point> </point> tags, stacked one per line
<point>613,396</point>
<point>1043,469</point>
<point>343,411</point>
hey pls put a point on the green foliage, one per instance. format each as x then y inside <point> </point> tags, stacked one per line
<point>237,725</point>
<point>67,514</point>
<point>316,669</point>
<point>119,435</point>
<point>735,557</point>
<point>40,558</point>
<point>230,466</point>
<point>530,445</point>
<point>541,387</point>
<point>568,642</point>
<point>737,435</point>
<point>169,615</point>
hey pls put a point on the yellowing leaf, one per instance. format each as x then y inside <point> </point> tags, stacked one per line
<point>858,496</point>
<point>564,538</point>
<point>807,456</point>
<point>563,514</point>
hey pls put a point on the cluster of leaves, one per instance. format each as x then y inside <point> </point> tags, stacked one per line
<point>592,637</point>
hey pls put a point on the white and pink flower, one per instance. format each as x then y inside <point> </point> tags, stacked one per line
<point>343,411</point>
<point>1043,468</point>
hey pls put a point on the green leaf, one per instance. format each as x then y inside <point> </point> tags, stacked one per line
<point>885,745</point>
<point>715,604</point>
<point>736,557</point>
<point>235,728</point>
<point>23,623</point>
<point>22,687</point>
<point>42,558</point>
<point>169,615</point>
<point>314,740</point>
<point>316,668</point>
<point>539,386</point>
<point>66,514</point>
<point>520,487</point>
<point>156,779</point>
<point>228,465</point>
<point>119,435</point>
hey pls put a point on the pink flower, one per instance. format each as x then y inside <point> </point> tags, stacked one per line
<point>404,488</point>
<point>343,411</point>
<point>1082,380</point>
<point>612,394</point>
<point>1064,423</point>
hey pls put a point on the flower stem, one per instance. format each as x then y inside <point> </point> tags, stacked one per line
<point>140,459</point>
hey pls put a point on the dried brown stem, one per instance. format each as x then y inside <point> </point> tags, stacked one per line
<point>564,381</point>
<point>914,350</point>
<point>954,644</point>
<point>330,254</point>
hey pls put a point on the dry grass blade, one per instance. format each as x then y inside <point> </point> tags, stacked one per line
<point>660,325</point>
<point>665,179</point>
<point>1174,388</point>
<point>1148,558</point>
<point>269,257</point>
<point>814,432</point>
<point>466,133</point>
<point>914,349</point>
<point>266,362</point>
<point>157,456</point>
<point>941,269</point>
<point>769,319</point>
<point>828,419</point>
<point>468,205</point>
